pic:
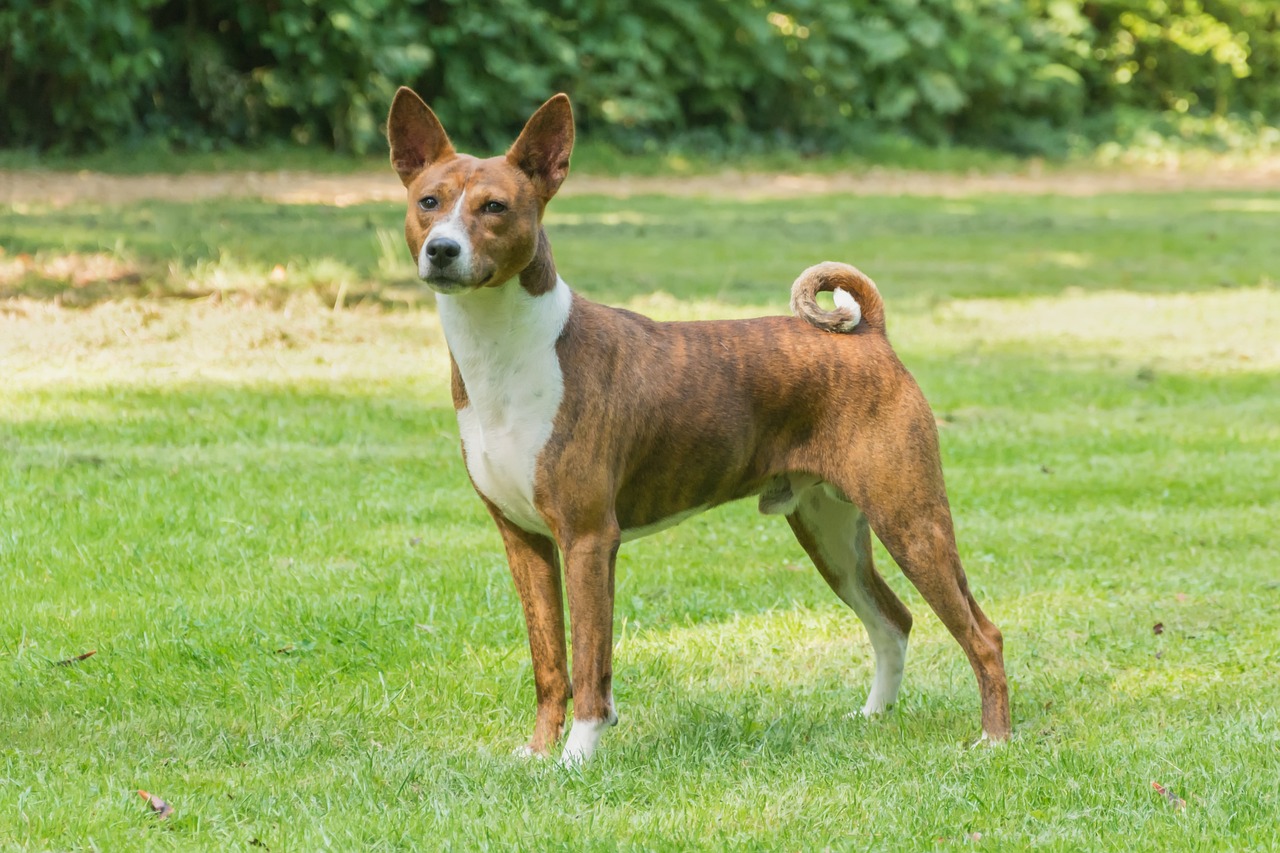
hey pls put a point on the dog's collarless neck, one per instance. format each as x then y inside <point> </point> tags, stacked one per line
<point>539,276</point>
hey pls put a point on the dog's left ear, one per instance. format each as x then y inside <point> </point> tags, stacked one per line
<point>543,148</point>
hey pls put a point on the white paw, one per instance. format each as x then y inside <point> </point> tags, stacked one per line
<point>584,736</point>
<point>988,741</point>
<point>572,760</point>
<point>523,752</point>
<point>871,711</point>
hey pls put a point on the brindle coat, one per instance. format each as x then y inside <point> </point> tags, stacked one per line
<point>658,419</point>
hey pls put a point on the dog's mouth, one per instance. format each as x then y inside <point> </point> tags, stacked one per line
<point>444,281</point>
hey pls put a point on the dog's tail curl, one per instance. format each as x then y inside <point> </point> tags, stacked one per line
<point>856,296</point>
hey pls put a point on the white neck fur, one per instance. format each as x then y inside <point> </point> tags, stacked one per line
<point>503,340</point>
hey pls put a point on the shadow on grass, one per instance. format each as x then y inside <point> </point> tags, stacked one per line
<point>740,252</point>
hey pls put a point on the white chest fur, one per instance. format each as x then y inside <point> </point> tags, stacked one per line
<point>504,342</point>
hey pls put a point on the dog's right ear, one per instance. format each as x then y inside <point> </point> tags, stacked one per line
<point>417,138</point>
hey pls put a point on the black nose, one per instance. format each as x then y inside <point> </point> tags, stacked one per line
<point>442,251</point>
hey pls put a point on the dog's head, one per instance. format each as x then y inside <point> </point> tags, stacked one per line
<point>475,223</point>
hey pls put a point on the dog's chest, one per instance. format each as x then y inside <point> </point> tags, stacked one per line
<point>504,343</point>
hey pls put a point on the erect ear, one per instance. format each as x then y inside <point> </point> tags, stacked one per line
<point>543,148</point>
<point>417,138</point>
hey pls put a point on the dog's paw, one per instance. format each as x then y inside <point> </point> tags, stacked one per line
<point>871,711</point>
<point>527,752</point>
<point>989,741</point>
<point>584,736</point>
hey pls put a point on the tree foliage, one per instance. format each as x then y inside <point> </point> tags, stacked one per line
<point>813,74</point>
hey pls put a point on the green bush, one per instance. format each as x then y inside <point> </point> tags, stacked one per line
<point>1185,55</point>
<point>76,73</point>
<point>729,74</point>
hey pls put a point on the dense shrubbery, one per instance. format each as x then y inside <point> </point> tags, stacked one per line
<point>813,74</point>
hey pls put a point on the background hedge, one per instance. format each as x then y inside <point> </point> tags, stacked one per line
<point>812,74</point>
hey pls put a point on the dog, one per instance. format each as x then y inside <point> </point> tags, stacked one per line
<point>584,426</point>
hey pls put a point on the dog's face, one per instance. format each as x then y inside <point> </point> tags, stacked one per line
<point>474,223</point>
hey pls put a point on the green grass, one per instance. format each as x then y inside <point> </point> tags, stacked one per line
<point>306,636</point>
<point>743,252</point>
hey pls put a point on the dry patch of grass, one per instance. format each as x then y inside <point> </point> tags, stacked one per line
<point>1222,331</point>
<point>60,189</point>
<point>65,269</point>
<point>304,337</point>
<point>143,342</point>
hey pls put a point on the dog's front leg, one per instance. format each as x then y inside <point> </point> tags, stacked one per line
<point>536,572</point>
<point>589,565</point>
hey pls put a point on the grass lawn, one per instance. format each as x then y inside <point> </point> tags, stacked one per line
<point>255,511</point>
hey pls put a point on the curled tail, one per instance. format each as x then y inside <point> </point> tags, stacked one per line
<point>856,296</point>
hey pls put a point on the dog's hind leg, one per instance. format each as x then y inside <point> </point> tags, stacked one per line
<point>926,551</point>
<point>907,508</point>
<point>837,538</point>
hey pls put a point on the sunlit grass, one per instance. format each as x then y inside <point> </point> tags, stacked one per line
<point>256,512</point>
<point>728,250</point>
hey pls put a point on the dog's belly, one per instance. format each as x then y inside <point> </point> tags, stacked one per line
<point>632,533</point>
<point>660,501</point>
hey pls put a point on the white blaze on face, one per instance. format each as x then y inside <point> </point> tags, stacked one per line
<point>452,228</point>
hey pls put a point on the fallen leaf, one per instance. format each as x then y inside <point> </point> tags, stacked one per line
<point>1174,800</point>
<point>1157,628</point>
<point>77,658</point>
<point>157,805</point>
<point>284,650</point>
<point>1181,596</point>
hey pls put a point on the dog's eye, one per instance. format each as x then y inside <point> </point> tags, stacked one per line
<point>428,202</point>
<point>494,207</point>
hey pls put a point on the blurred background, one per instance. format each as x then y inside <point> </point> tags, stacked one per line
<point>711,78</point>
